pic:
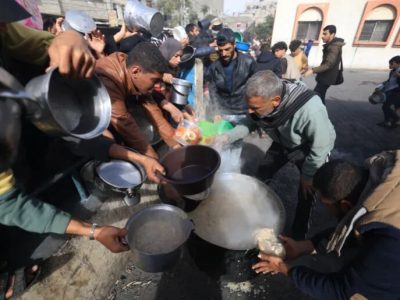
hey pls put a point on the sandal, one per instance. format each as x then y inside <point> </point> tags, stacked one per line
<point>18,282</point>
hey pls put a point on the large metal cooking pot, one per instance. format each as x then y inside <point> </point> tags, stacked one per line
<point>78,20</point>
<point>137,14</point>
<point>68,106</point>
<point>121,177</point>
<point>180,91</point>
<point>238,206</point>
<point>155,236</point>
<point>190,169</point>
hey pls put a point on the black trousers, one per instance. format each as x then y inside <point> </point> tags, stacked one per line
<point>321,89</point>
<point>389,107</point>
<point>275,158</point>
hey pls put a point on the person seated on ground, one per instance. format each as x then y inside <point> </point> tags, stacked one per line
<point>227,76</point>
<point>127,77</point>
<point>289,68</point>
<point>298,123</point>
<point>300,58</point>
<point>359,259</point>
<point>391,89</point>
<point>172,51</point>
<point>268,61</point>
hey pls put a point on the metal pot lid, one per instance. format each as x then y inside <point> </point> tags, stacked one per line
<point>80,21</point>
<point>237,207</point>
<point>120,174</point>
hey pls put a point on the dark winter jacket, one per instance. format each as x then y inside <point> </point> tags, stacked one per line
<point>372,228</point>
<point>268,61</point>
<point>328,71</point>
<point>230,102</point>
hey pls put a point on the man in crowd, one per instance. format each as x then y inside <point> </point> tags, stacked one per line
<point>360,259</point>
<point>127,77</point>
<point>300,59</point>
<point>268,61</point>
<point>289,68</point>
<point>298,123</point>
<point>328,71</point>
<point>192,31</point>
<point>228,75</point>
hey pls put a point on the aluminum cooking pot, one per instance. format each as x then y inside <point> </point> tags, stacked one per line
<point>155,236</point>
<point>78,20</point>
<point>147,128</point>
<point>136,14</point>
<point>238,206</point>
<point>180,91</point>
<point>67,106</point>
<point>121,177</point>
<point>190,169</point>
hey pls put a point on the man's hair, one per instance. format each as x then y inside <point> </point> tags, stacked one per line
<point>294,45</point>
<point>279,46</point>
<point>149,57</point>
<point>263,84</point>
<point>49,22</point>
<point>225,36</point>
<point>339,179</point>
<point>330,28</point>
<point>189,27</point>
<point>395,59</point>
<point>265,48</point>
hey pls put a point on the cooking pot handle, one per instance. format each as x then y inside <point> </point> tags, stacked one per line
<point>124,241</point>
<point>161,177</point>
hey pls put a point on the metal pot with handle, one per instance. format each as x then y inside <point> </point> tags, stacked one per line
<point>121,177</point>
<point>156,235</point>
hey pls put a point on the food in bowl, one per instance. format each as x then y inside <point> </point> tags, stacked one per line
<point>187,133</point>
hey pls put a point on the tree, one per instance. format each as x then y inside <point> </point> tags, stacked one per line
<point>173,13</point>
<point>204,9</point>
<point>264,30</point>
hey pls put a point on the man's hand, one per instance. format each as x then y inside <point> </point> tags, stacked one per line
<point>270,264</point>
<point>306,186</point>
<point>295,248</point>
<point>59,22</point>
<point>97,41</point>
<point>152,166</point>
<point>176,114</point>
<point>309,72</point>
<point>111,237</point>
<point>70,53</point>
<point>221,139</point>
<point>123,33</point>
<point>167,78</point>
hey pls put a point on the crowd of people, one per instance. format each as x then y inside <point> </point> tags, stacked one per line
<point>262,93</point>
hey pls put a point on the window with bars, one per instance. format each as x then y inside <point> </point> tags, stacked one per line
<point>308,30</point>
<point>376,30</point>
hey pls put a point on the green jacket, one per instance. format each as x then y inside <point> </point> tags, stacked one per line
<point>25,44</point>
<point>30,214</point>
<point>310,125</point>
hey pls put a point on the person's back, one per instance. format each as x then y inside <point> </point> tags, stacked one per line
<point>267,61</point>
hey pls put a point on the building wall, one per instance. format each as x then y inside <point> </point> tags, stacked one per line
<point>346,15</point>
<point>216,6</point>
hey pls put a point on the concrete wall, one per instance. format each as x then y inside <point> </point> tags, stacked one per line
<point>346,15</point>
